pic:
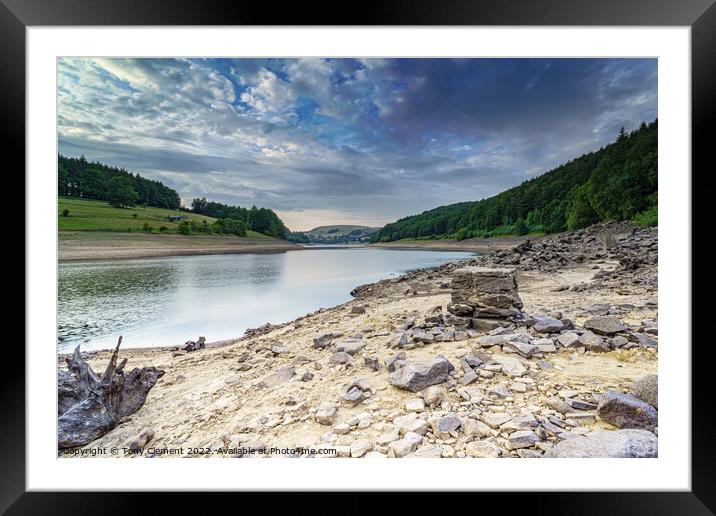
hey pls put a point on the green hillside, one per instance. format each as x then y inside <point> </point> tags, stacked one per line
<point>89,215</point>
<point>617,182</point>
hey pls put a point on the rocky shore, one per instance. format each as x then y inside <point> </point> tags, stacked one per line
<point>547,349</point>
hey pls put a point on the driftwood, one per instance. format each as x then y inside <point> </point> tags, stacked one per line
<point>89,406</point>
<point>190,345</point>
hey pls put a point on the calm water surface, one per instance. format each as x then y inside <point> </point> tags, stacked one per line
<point>167,301</point>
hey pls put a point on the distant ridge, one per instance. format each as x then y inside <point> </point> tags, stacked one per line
<point>335,234</point>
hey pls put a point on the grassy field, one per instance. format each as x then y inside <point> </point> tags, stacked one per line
<point>94,230</point>
<point>86,215</point>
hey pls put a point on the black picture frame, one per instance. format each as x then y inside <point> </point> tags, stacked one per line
<point>700,15</point>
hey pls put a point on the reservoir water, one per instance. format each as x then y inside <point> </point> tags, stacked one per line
<point>167,301</point>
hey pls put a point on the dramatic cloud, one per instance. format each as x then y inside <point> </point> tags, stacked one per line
<point>365,141</point>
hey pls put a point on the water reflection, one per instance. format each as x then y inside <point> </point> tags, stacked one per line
<point>166,301</point>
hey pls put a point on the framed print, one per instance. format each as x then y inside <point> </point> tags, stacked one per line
<point>450,236</point>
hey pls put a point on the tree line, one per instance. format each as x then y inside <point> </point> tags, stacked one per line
<point>77,177</point>
<point>617,182</point>
<point>262,220</point>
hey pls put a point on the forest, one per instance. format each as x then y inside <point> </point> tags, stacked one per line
<point>77,177</point>
<point>617,182</point>
<point>262,220</point>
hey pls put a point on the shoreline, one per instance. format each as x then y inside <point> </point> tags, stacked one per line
<point>80,246</point>
<point>479,245</point>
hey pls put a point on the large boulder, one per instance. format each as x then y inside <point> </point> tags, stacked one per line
<point>416,377</point>
<point>626,411</point>
<point>490,293</point>
<point>631,443</point>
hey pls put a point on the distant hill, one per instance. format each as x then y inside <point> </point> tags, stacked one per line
<point>337,234</point>
<point>617,182</point>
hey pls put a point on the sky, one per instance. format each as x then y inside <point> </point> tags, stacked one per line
<point>346,141</point>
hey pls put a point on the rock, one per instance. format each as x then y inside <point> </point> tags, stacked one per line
<point>356,310</point>
<point>580,418</point>
<point>399,341</point>
<point>626,411</point>
<point>413,424</point>
<point>406,445</point>
<point>278,349</point>
<point>524,421</point>
<point>460,309</point>
<point>470,361</point>
<point>644,340</point>
<point>414,377</point>
<point>446,336</point>
<point>341,429</point>
<point>522,348</point>
<point>513,369</point>
<point>446,424</point>
<point>474,427</point>
<point>499,391</point>
<point>558,404</point>
<point>522,439</point>
<point>568,339</point>
<point>364,384</point>
<point>326,413</point>
<point>482,449</point>
<point>619,341</point>
<point>415,405</point>
<point>426,452</point>
<point>360,447</point>
<point>372,363</point>
<point>195,346</point>
<point>491,293</point>
<point>631,443</point>
<point>518,387</point>
<point>323,341</point>
<point>492,340</point>
<point>545,345</point>
<point>397,361</point>
<point>592,342</point>
<point>484,325</point>
<point>433,395</point>
<point>605,325</point>
<point>341,358</point>
<point>354,396</point>
<point>647,389</point>
<point>350,346</point>
<point>495,419</point>
<point>307,376</point>
<point>578,404</point>
<point>142,440</point>
<point>280,377</point>
<point>469,377</point>
<point>547,325</point>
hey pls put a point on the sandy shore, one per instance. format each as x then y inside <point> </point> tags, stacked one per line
<point>225,396</point>
<point>480,245</point>
<point>90,245</point>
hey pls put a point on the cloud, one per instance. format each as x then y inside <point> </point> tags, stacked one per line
<point>340,140</point>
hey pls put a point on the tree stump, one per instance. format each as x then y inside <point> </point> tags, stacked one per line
<point>89,406</point>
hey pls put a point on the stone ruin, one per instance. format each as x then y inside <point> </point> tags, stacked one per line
<point>487,296</point>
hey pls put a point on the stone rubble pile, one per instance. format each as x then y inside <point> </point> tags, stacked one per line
<point>485,317</point>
